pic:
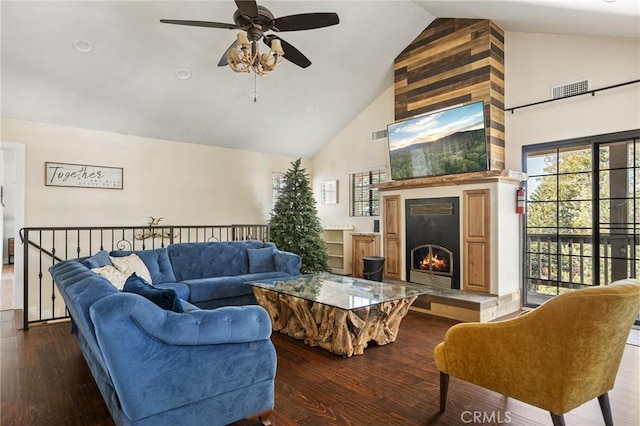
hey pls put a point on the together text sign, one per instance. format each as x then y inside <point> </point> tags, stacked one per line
<point>79,175</point>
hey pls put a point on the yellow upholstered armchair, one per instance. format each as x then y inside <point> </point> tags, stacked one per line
<point>557,357</point>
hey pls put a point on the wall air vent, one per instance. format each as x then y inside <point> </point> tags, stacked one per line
<point>378,135</point>
<point>570,89</point>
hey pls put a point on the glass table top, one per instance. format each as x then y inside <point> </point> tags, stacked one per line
<point>340,291</point>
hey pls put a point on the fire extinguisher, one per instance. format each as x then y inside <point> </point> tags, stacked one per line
<point>520,200</point>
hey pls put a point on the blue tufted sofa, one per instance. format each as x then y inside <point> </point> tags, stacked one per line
<point>158,367</point>
<point>212,274</point>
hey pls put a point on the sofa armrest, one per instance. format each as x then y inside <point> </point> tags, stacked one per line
<point>287,262</point>
<point>229,324</point>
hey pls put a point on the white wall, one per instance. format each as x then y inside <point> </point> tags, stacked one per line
<point>352,150</point>
<point>536,62</point>
<point>187,184</point>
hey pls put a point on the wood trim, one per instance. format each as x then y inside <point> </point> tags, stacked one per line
<point>457,179</point>
<point>476,240</point>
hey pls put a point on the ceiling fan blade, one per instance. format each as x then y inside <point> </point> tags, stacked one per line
<point>305,21</point>
<point>223,61</point>
<point>248,8</point>
<point>290,53</point>
<point>200,24</point>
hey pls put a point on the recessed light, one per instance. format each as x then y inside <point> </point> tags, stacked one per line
<point>183,74</point>
<point>310,108</point>
<point>609,1</point>
<point>82,46</point>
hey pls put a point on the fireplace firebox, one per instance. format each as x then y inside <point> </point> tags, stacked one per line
<point>433,241</point>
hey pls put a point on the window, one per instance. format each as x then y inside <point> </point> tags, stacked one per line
<point>277,184</point>
<point>364,200</point>
<point>582,223</point>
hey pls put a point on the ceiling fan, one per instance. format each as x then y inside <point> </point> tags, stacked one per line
<point>256,20</point>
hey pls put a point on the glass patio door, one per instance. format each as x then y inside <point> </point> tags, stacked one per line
<point>582,226</point>
<point>617,228</point>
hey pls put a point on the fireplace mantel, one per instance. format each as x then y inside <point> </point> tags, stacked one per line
<point>506,176</point>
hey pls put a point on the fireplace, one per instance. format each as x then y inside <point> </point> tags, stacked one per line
<point>433,241</point>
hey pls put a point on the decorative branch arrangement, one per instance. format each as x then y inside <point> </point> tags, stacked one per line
<point>153,221</point>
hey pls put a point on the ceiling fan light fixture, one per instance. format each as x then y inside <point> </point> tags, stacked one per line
<point>256,21</point>
<point>276,47</point>
<point>246,56</point>
<point>243,40</point>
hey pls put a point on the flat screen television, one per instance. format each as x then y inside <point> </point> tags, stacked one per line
<point>440,143</point>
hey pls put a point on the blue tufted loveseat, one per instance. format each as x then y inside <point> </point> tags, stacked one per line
<point>158,367</point>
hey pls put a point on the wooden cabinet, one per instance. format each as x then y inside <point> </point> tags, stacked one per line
<point>364,245</point>
<point>476,241</point>
<point>338,242</point>
<point>392,241</point>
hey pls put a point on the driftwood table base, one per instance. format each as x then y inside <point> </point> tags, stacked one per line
<point>342,332</point>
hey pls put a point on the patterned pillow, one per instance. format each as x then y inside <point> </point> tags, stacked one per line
<point>114,276</point>
<point>130,264</point>
<point>97,260</point>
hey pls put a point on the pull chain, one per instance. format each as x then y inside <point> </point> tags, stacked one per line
<point>255,91</point>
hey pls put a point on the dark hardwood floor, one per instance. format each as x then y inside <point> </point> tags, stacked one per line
<point>45,380</point>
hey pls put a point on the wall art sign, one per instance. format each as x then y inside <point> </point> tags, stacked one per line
<point>84,176</point>
<point>330,192</point>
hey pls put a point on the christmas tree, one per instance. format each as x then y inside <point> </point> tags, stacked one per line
<point>295,226</point>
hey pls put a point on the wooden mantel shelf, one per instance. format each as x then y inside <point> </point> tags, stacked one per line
<point>507,176</point>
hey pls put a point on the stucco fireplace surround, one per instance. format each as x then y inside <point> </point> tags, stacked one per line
<point>485,282</point>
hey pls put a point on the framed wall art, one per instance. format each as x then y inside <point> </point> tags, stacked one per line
<point>330,192</point>
<point>83,176</point>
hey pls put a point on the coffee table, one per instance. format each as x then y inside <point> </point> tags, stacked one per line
<point>340,314</point>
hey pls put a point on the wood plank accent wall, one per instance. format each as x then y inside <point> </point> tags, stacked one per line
<point>452,62</point>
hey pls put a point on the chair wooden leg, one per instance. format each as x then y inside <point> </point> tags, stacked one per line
<point>264,417</point>
<point>444,388</point>
<point>558,420</point>
<point>606,409</point>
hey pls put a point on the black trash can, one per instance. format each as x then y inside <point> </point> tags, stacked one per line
<point>373,268</point>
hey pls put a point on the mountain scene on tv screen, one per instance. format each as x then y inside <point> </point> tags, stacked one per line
<point>460,152</point>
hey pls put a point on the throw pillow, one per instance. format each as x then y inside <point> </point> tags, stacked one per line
<point>114,276</point>
<point>165,298</point>
<point>261,260</point>
<point>130,264</point>
<point>97,260</point>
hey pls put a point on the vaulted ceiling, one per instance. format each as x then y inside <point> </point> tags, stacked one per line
<point>129,82</point>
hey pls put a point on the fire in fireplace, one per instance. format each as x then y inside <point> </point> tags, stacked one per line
<point>433,258</point>
<point>431,264</point>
